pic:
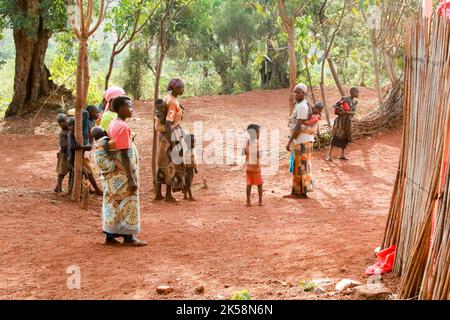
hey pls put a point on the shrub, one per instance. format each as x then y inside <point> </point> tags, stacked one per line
<point>241,295</point>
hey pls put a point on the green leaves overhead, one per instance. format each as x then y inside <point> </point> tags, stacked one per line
<point>26,15</point>
<point>125,13</point>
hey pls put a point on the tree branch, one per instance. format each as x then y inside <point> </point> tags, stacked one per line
<point>100,19</point>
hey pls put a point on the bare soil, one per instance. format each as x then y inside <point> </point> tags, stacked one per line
<point>216,242</point>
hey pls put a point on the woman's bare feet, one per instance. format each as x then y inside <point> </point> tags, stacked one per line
<point>295,196</point>
<point>134,242</point>
<point>171,200</point>
<point>111,242</point>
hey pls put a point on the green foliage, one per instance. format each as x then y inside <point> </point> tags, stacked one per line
<point>216,46</point>
<point>241,295</point>
<point>307,286</point>
<point>6,79</point>
<point>52,12</point>
<point>63,56</point>
<point>63,72</point>
<point>95,91</point>
<point>236,27</point>
<point>126,14</point>
<point>134,71</point>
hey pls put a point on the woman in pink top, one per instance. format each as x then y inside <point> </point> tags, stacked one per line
<point>120,210</point>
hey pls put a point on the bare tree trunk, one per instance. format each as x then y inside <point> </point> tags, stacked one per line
<point>292,68</point>
<point>31,77</point>
<point>79,102</point>
<point>376,66</point>
<point>156,96</point>
<point>86,77</point>
<point>336,76</point>
<point>308,74</point>
<point>390,68</point>
<point>110,69</point>
<point>82,31</point>
<point>289,27</point>
<point>322,92</point>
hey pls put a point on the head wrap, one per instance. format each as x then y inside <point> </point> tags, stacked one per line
<point>110,94</point>
<point>302,87</point>
<point>175,84</point>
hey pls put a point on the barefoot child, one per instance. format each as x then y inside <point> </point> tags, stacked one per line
<point>190,164</point>
<point>252,163</point>
<point>62,167</point>
<point>342,128</point>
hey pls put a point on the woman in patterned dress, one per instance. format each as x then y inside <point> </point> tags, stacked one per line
<point>120,172</point>
<point>171,172</point>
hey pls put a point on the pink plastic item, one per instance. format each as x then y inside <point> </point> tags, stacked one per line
<point>385,262</point>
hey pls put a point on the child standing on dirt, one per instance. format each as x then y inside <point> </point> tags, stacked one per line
<point>345,109</point>
<point>252,163</point>
<point>62,166</point>
<point>190,164</point>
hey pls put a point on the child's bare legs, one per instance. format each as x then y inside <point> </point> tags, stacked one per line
<point>159,195</point>
<point>59,183</point>
<point>191,198</point>
<point>249,192</point>
<point>188,186</point>
<point>189,191</point>
<point>98,191</point>
<point>260,194</point>
<point>169,196</point>
<point>343,157</point>
<point>328,156</point>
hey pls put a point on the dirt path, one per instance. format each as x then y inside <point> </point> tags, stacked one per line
<point>216,242</point>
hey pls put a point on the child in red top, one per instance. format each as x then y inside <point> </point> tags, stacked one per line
<point>252,163</point>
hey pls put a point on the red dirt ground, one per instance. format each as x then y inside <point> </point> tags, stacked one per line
<point>216,242</point>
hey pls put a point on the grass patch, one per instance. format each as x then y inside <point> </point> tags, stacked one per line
<point>241,295</point>
<point>307,286</point>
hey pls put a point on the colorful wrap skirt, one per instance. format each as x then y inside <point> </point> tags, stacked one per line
<point>302,170</point>
<point>120,209</point>
<point>169,172</point>
<point>342,131</point>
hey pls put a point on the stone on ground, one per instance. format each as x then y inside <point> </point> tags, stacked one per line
<point>164,289</point>
<point>372,292</point>
<point>200,289</point>
<point>325,284</point>
<point>346,284</point>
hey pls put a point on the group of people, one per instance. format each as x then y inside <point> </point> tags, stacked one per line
<point>303,125</point>
<point>107,135</point>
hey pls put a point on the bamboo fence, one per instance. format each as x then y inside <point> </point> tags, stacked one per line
<point>418,220</point>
